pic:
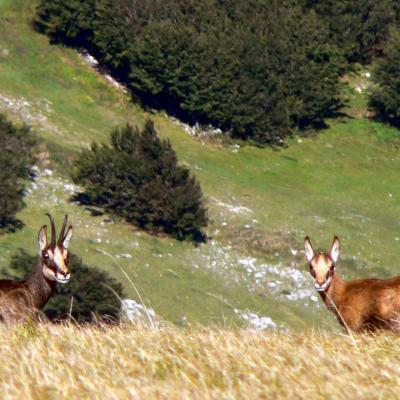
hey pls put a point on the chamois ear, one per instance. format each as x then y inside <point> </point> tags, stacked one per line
<point>335,249</point>
<point>309,249</point>
<point>42,237</point>
<point>67,238</point>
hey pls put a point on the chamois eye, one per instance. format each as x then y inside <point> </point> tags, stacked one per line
<point>46,256</point>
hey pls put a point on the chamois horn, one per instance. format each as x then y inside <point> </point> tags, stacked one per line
<point>62,232</point>
<point>53,231</point>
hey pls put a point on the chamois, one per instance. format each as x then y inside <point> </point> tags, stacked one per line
<point>361,305</point>
<point>21,300</point>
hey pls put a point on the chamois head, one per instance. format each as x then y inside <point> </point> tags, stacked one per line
<point>55,255</point>
<point>322,265</point>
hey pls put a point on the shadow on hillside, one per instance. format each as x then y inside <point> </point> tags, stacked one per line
<point>196,236</point>
<point>11,226</point>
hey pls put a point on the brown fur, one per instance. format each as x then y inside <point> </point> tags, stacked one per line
<point>360,304</point>
<point>20,301</point>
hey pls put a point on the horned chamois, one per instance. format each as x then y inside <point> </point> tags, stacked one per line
<point>360,304</point>
<point>19,300</point>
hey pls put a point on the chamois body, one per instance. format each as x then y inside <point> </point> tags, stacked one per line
<point>22,300</point>
<point>359,304</point>
<point>365,304</point>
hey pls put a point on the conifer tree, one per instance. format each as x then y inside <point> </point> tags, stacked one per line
<point>385,96</point>
<point>17,157</point>
<point>137,177</point>
<point>258,70</point>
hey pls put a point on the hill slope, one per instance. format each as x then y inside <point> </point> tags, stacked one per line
<point>261,202</point>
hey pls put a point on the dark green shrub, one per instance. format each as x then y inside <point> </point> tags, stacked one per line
<point>137,177</point>
<point>385,96</point>
<point>68,22</point>
<point>359,28</point>
<point>17,157</point>
<point>259,70</point>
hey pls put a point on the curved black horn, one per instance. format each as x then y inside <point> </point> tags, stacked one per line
<point>62,232</point>
<point>53,231</point>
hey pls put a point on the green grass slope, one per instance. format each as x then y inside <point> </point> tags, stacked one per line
<point>261,202</point>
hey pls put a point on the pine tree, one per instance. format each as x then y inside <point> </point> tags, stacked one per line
<point>138,178</point>
<point>385,96</point>
<point>258,70</point>
<point>17,157</point>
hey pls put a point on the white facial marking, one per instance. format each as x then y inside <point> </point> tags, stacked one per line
<point>324,286</point>
<point>49,273</point>
<point>62,279</point>
<point>59,259</point>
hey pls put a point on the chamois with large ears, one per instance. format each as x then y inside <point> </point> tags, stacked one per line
<point>22,300</point>
<point>361,305</point>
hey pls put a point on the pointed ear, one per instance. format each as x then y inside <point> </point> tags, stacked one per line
<point>309,249</point>
<point>42,237</point>
<point>335,249</point>
<point>67,238</point>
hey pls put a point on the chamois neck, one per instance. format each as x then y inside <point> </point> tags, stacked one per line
<point>334,291</point>
<point>40,288</point>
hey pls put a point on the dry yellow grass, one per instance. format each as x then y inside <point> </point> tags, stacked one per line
<point>46,362</point>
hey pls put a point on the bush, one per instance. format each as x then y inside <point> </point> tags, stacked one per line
<point>72,25</point>
<point>385,97</point>
<point>359,28</point>
<point>93,293</point>
<point>17,157</point>
<point>138,178</point>
<point>257,70</point>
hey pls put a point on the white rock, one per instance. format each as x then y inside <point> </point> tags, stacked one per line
<point>247,262</point>
<point>135,312</point>
<point>69,187</point>
<point>90,59</point>
<point>259,323</point>
<point>300,294</point>
<point>126,255</point>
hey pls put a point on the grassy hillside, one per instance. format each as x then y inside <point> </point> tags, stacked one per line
<point>261,202</point>
<point>170,363</point>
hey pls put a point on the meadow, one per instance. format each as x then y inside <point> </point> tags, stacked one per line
<point>262,201</point>
<point>66,362</point>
